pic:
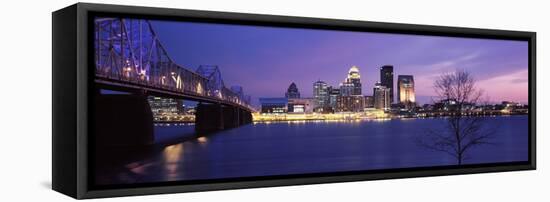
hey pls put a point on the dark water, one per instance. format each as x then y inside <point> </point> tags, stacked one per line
<point>263,149</point>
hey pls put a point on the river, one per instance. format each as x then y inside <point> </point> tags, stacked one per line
<point>281,148</point>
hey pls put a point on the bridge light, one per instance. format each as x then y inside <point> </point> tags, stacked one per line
<point>199,88</point>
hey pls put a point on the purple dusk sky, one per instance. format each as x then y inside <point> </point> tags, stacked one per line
<point>265,60</point>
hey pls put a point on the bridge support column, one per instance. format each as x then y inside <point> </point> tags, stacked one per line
<point>122,120</point>
<point>242,116</point>
<point>247,117</point>
<point>230,117</point>
<point>238,116</point>
<point>209,118</point>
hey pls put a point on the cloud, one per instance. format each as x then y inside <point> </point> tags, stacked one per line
<point>454,63</point>
<point>520,80</point>
<point>521,76</point>
<point>427,73</point>
<point>512,86</point>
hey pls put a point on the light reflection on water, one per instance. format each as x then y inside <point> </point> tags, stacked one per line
<point>172,154</point>
<point>202,140</point>
<point>292,147</point>
<point>323,121</point>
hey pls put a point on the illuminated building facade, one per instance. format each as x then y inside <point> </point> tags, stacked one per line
<point>350,98</point>
<point>274,105</point>
<point>381,97</point>
<point>300,105</point>
<point>350,103</point>
<point>369,102</point>
<point>334,93</point>
<point>405,90</point>
<point>352,84</point>
<point>165,106</point>
<point>321,94</point>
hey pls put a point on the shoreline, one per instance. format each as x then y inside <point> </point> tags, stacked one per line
<point>377,118</point>
<point>343,119</point>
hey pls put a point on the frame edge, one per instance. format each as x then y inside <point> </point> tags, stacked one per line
<point>64,145</point>
<point>82,40</point>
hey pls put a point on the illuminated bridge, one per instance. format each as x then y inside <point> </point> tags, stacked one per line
<point>129,57</point>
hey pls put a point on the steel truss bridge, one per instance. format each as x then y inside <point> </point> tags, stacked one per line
<point>129,55</point>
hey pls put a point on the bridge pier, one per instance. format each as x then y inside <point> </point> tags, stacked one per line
<point>245,117</point>
<point>209,118</point>
<point>122,120</point>
<point>214,117</point>
<point>230,117</point>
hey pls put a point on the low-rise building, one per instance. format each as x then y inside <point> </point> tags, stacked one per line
<point>274,105</point>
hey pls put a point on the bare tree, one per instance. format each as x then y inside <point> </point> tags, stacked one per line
<point>462,130</point>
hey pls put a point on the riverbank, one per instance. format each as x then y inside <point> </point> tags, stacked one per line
<point>259,118</point>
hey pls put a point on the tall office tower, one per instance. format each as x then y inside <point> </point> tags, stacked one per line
<point>352,84</point>
<point>381,97</point>
<point>334,93</point>
<point>386,79</point>
<point>405,90</point>
<point>292,91</point>
<point>320,94</point>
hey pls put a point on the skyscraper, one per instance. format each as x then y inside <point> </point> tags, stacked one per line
<point>292,91</point>
<point>381,96</point>
<point>320,94</point>
<point>352,84</point>
<point>334,93</point>
<point>405,90</point>
<point>346,89</point>
<point>386,79</point>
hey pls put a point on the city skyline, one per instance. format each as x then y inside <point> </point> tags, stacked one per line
<point>265,60</point>
<point>166,111</point>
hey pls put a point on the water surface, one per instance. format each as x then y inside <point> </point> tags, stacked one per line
<point>279,148</point>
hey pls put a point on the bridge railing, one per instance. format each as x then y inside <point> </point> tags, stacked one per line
<point>128,50</point>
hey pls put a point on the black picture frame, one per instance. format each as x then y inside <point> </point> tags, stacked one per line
<point>72,90</point>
